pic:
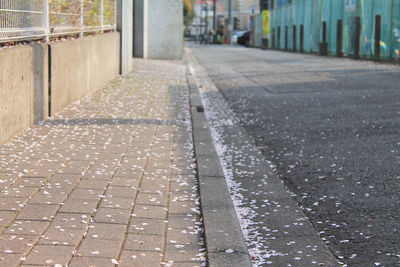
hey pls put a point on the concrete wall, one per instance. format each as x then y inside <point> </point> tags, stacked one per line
<point>125,27</point>
<point>23,88</point>
<point>165,29</point>
<point>77,67</point>
<point>160,29</point>
<point>81,66</point>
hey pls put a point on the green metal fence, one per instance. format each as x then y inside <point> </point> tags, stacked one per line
<point>364,28</point>
<point>257,30</point>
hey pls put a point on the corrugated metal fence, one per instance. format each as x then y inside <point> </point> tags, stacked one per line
<point>360,28</point>
<point>42,19</point>
<point>257,30</point>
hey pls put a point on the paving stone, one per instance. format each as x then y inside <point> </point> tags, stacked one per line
<point>106,231</point>
<point>151,199</point>
<point>140,258</point>
<point>100,248</point>
<point>182,193</point>
<point>24,192</point>
<point>178,252</point>
<point>134,163</point>
<point>70,221</point>
<point>128,173</point>
<point>183,221</point>
<point>91,262</point>
<point>111,215</point>
<point>123,181</point>
<point>37,212</point>
<point>93,184</point>
<point>30,182</point>
<point>98,174</point>
<point>183,184</point>
<point>117,202</point>
<point>42,172</point>
<point>10,259</point>
<point>121,191</point>
<point>72,170</point>
<point>151,212</point>
<point>53,189</point>
<point>183,207</point>
<point>159,167</point>
<point>147,226</point>
<point>161,162</point>
<point>49,196</point>
<point>155,187</point>
<point>99,168</point>
<point>75,205</point>
<point>61,236</point>
<point>49,255</point>
<point>157,172</point>
<point>108,161</point>
<point>7,178</point>
<point>116,149</point>
<point>65,178</point>
<point>182,237</point>
<point>187,264</point>
<point>18,244</point>
<point>86,194</point>
<point>27,227</point>
<point>11,203</point>
<point>144,242</point>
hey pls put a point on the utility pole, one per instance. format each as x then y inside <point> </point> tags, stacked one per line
<point>201,21</point>
<point>230,27</point>
<point>206,31</point>
<point>214,20</point>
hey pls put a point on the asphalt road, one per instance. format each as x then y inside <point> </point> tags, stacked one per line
<point>332,129</point>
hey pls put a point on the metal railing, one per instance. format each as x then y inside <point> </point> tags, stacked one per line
<point>43,19</point>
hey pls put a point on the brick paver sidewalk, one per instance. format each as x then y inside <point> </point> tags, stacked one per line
<point>109,180</point>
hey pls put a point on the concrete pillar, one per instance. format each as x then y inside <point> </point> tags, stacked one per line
<point>159,29</point>
<point>139,27</point>
<point>125,27</point>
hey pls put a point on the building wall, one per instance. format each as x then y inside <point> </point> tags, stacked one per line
<point>160,29</point>
<point>165,29</point>
<point>240,11</point>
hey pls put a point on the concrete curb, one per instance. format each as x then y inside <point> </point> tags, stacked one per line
<point>225,243</point>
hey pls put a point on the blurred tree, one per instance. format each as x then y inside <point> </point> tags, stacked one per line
<point>188,13</point>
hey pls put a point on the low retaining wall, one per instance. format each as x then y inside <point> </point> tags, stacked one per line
<point>77,67</point>
<point>23,88</point>
<point>81,66</point>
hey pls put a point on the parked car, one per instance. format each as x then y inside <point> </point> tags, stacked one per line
<point>244,38</point>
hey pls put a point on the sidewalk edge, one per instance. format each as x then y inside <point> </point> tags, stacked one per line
<point>225,243</point>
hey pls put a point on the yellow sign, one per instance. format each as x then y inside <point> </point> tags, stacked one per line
<point>265,22</point>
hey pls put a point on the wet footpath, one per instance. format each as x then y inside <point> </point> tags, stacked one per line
<point>108,181</point>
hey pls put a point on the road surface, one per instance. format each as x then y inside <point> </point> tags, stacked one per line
<point>331,128</point>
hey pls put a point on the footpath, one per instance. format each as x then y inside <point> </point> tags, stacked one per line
<point>109,181</point>
<point>130,176</point>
